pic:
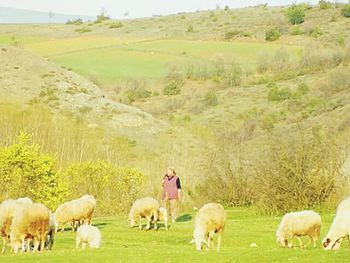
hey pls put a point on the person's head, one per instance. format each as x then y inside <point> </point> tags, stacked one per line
<point>171,171</point>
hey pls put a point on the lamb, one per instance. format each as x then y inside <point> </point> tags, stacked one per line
<point>302,223</point>
<point>146,207</point>
<point>339,229</point>
<point>30,223</point>
<point>7,210</point>
<point>75,211</point>
<point>210,219</point>
<point>88,235</point>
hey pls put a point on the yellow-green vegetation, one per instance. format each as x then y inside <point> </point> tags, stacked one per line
<point>244,227</point>
<point>255,122</point>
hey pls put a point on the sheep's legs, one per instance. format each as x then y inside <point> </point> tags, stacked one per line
<point>77,243</point>
<point>36,244</point>
<point>148,223</point>
<point>140,224</point>
<point>23,249</point>
<point>301,243</point>
<point>219,243</point>
<point>4,241</point>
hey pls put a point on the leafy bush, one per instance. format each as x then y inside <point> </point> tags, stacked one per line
<point>211,99</point>
<point>101,18</point>
<point>231,34</point>
<point>83,30</point>
<point>115,188</point>
<point>190,29</point>
<point>272,34</point>
<point>76,22</point>
<point>172,88</point>
<point>137,89</point>
<point>25,171</point>
<point>278,94</point>
<point>324,4</point>
<point>299,171</point>
<point>346,10</point>
<point>296,14</point>
<point>116,25</point>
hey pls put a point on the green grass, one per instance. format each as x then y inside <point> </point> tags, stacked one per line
<point>122,244</point>
<point>144,59</point>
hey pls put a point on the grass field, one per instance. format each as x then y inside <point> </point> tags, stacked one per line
<point>112,60</point>
<point>122,244</point>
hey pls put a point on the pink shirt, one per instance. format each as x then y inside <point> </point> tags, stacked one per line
<point>170,188</point>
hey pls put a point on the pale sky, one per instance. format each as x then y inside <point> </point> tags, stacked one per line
<point>135,8</point>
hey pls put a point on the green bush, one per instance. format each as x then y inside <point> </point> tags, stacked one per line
<point>211,99</point>
<point>83,30</point>
<point>76,22</point>
<point>278,94</point>
<point>346,10</point>
<point>115,188</point>
<point>116,25</point>
<point>231,34</point>
<point>324,4</point>
<point>101,18</point>
<point>296,14</point>
<point>172,88</point>
<point>190,29</point>
<point>25,171</point>
<point>272,34</point>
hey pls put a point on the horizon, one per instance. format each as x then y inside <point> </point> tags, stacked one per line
<point>132,8</point>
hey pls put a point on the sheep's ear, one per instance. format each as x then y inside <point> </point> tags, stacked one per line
<point>192,241</point>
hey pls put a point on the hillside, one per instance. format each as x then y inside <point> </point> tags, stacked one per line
<point>33,80</point>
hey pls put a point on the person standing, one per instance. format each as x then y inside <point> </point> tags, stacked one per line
<point>171,192</point>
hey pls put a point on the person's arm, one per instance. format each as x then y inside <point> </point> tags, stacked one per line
<point>178,185</point>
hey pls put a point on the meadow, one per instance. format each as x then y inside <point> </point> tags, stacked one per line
<point>244,227</point>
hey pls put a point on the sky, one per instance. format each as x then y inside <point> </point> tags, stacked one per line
<point>136,8</point>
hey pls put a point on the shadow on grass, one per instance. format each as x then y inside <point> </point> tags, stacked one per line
<point>184,218</point>
<point>100,225</point>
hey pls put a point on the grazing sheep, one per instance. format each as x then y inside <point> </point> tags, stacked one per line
<point>146,207</point>
<point>7,211</point>
<point>303,223</point>
<point>75,211</point>
<point>339,229</point>
<point>30,223</point>
<point>88,235</point>
<point>344,206</point>
<point>209,220</point>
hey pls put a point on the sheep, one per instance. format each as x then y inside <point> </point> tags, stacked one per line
<point>75,211</point>
<point>146,207</point>
<point>344,206</point>
<point>163,216</point>
<point>88,235</point>
<point>302,223</point>
<point>210,219</point>
<point>339,229</point>
<point>7,210</point>
<point>30,223</point>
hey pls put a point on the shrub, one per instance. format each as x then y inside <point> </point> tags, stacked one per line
<point>136,89</point>
<point>211,99</point>
<point>278,94</point>
<point>299,171</point>
<point>25,171</point>
<point>272,34</point>
<point>231,34</point>
<point>115,188</point>
<point>296,14</point>
<point>324,4</point>
<point>233,75</point>
<point>116,25</point>
<point>101,18</point>
<point>172,88</point>
<point>346,10</point>
<point>76,22</point>
<point>83,30</point>
<point>190,29</point>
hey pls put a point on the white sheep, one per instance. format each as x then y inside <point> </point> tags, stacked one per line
<point>163,216</point>
<point>30,223</point>
<point>339,229</point>
<point>75,211</point>
<point>211,219</point>
<point>7,211</point>
<point>146,207</point>
<point>88,235</point>
<point>344,206</point>
<point>302,223</point>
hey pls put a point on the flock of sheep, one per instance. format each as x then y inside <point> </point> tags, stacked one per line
<point>28,226</point>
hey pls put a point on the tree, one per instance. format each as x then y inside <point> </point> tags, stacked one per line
<point>296,14</point>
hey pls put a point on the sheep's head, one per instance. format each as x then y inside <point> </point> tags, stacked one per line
<point>282,241</point>
<point>198,238</point>
<point>329,244</point>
